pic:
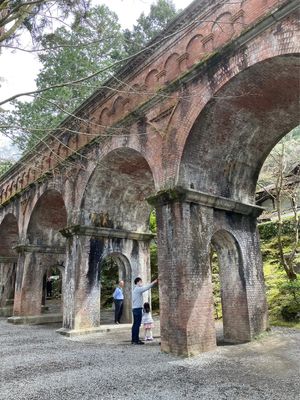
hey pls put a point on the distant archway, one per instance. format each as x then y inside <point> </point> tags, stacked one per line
<point>113,268</point>
<point>9,238</point>
<point>44,249</point>
<point>236,326</point>
<point>47,218</point>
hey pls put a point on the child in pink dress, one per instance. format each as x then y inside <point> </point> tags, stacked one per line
<point>147,321</point>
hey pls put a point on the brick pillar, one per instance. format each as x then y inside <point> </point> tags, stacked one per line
<point>254,278</point>
<point>32,264</point>
<point>233,288</point>
<point>82,289</point>
<point>87,247</point>
<point>186,299</point>
<point>29,284</point>
<point>241,276</point>
<point>7,281</point>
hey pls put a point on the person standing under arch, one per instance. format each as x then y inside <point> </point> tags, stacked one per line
<point>137,308</point>
<point>118,300</point>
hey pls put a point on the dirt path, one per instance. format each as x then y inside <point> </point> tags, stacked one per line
<point>38,364</point>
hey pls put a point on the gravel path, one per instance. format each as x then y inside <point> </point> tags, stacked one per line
<point>38,364</point>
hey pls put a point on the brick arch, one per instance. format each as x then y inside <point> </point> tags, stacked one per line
<point>194,50</point>
<point>83,139</point>
<point>118,105</point>
<point>62,151</point>
<point>9,235</point>
<point>272,45</point>
<point>29,177</point>
<point>73,141</point>
<point>172,67</point>
<point>151,80</point>
<point>13,186</point>
<point>22,180</point>
<point>125,274</point>
<point>10,189</point>
<point>19,183</point>
<point>134,96</point>
<point>222,29</point>
<point>2,195</point>
<point>236,324</point>
<point>48,215</point>
<point>52,159</point>
<point>131,182</point>
<point>136,88</point>
<point>104,118</point>
<point>231,124</point>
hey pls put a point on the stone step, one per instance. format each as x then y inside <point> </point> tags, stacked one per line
<point>35,319</point>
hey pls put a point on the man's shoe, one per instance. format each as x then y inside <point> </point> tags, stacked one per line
<point>139,342</point>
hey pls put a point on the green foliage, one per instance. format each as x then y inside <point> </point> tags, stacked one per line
<point>147,27</point>
<point>92,43</point>
<point>5,165</point>
<point>283,295</point>
<point>268,230</point>
<point>290,310</point>
<point>152,221</point>
<point>17,16</point>
<point>109,280</point>
<point>216,284</point>
<point>282,159</point>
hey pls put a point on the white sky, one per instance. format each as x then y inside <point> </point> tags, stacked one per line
<point>18,69</point>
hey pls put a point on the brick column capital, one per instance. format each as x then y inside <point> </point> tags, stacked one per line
<point>103,232</point>
<point>180,194</point>
<point>30,248</point>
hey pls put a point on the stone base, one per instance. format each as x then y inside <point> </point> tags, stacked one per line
<point>97,329</point>
<point>6,311</point>
<point>35,319</point>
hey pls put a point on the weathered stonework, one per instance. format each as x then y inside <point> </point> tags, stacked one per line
<point>188,129</point>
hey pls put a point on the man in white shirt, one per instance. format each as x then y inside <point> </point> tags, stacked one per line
<point>137,308</point>
<point>118,300</point>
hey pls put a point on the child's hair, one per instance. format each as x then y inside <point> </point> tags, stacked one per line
<point>146,307</point>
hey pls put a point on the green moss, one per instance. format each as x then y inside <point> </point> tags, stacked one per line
<point>268,230</point>
<point>279,322</point>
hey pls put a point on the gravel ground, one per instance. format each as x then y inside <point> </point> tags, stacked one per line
<point>36,363</point>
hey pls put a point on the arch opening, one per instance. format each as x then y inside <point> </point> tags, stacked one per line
<point>114,268</point>
<point>117,192</point>
<point>9,238</point>
<point>53,284</point>
<point>230,299</point>
<point>45,254</point>
<point>48,217</point>
<point>239,126</point>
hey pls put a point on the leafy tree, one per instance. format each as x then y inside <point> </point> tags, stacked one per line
<point>280,177</point>
<point>5,165</point>
<point>93,41</point>
<point>34,16</point>
<point>148,26</point>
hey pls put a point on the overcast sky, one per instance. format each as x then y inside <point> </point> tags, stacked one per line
<point>18,70</point>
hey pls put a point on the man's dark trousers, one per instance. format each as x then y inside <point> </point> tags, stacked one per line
<point>118,310</point>
<point>137,319</point>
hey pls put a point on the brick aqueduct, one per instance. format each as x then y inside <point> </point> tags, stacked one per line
<point>184,127</point>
